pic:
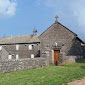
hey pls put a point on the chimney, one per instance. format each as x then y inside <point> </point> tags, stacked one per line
<point>56,19</point>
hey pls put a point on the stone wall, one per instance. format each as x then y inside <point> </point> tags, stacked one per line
<point>56,33</point>
<point>76,49</point>
<point>22,64</point>
<point>23,51</point>
<point>66,40</point>
<point>84,51</point>
<point>72,59</point>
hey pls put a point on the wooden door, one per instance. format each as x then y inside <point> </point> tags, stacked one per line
<point>56,56</point>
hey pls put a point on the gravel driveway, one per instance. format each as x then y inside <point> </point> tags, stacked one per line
<point>77,82</point>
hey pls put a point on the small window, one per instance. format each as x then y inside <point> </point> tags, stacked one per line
<point>9,57</point>
<point>30,47</point>
<point>0,47</point>
<point>17,57</point>
<point>17,47</point>
<point>32,55</point>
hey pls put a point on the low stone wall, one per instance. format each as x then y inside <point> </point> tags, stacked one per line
<point>22,64</point>
<point>72,59</point>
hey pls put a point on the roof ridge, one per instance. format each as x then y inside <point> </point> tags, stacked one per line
<point>18,36</point>
<point>20,39</point>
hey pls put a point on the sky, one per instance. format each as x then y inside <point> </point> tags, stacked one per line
<point>20,17</point>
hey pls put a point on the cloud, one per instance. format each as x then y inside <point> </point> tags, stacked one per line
<point>7,8</point>
<point>71,10</point>
<point>79,11</point>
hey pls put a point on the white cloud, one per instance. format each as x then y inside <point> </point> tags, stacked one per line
<point>7,8</point>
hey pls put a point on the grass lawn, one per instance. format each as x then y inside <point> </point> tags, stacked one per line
<point>52,75</point>
<point>80,64</point>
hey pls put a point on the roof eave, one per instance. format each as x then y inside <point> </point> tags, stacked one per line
<point>20,43</point>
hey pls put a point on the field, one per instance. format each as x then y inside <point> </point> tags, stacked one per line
<point>52,75</point>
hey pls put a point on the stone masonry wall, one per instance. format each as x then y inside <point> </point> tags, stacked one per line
<point>72,59</point>
<point>23,51</point>
<point>56,33</point>
<point>84,51</point>
<point>66,40</point>
<point>22,64</point>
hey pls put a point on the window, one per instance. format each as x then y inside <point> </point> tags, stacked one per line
<point>0,47</point>
<point>32,55</point>
<point>30,47</point>
<point>17,47</point>
<point>9,57</point>
<point>17,57</point>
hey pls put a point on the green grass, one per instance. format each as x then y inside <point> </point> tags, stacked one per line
<point>52,75</point>
<point>78,64</point>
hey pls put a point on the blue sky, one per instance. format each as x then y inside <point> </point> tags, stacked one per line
<point>20,17</point>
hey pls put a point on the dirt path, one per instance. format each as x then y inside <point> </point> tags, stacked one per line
<point>77,82</point>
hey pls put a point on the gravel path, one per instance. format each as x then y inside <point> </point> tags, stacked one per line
<point>77,82</point>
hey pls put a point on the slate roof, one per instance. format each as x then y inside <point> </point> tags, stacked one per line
<point>61,25</point>
<point>20,39</point>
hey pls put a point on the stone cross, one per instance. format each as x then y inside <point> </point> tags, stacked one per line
<point>56,19</point>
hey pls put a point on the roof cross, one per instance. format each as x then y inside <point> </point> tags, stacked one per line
<point>56,19</point>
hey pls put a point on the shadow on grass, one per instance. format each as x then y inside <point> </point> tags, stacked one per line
<point>81,61</point>
<point>82,67</point>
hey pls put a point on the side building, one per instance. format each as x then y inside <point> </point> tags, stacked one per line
<point>19,47</point>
